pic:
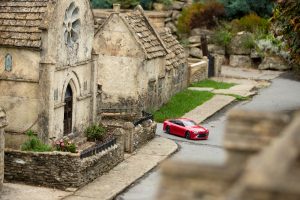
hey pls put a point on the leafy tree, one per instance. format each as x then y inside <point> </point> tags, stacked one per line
<point>287,19</point>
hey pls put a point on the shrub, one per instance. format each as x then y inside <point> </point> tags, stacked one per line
<point>34,143</point>
<point>286,17</point>
<point>222,36</point>
<point>208,15</point>
<point>101,3</point>
<point>65,145</point>
<point>251,23</point>
<point>95,132</point>
<point>239,8</point>
<point>200,15</point>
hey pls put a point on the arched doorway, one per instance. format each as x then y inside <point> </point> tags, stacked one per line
<point>68,109</point>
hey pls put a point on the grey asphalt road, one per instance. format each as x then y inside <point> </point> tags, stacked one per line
<point>282,95</point>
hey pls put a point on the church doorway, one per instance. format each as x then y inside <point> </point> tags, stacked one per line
<point>68,110</point>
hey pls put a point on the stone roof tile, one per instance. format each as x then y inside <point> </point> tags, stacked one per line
<point>20,21</point>
<point>145,34</point>
<point>176,55</point>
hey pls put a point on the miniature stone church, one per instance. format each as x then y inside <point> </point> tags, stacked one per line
<point>47,74</point>
<point>52,80</point>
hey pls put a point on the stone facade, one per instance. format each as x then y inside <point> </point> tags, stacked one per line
<point>263,162</point>
<point>45,58</point>
<point>59,169</point>
<point>3,123</point>
<point>149,67</point>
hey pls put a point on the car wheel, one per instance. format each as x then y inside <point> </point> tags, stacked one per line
<point>168,129</point>
<point>187,135</point>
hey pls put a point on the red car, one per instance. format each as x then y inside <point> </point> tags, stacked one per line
<point>185,128</point>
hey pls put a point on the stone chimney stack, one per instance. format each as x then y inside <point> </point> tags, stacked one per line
<point>116,8</point>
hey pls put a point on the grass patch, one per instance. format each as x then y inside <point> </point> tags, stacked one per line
<point>213,84</point>
<point>182,103</point>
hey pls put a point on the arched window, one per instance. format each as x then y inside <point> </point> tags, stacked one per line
<point>8,62</point>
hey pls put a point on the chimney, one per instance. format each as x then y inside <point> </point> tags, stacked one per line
<point>116,8</point>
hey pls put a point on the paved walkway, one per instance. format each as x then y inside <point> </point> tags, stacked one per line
<point>247,73</point>
<point>208,108</point>
<point>107,186</point>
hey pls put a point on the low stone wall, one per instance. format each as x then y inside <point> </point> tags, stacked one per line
<point>136,136</point>
<point>60,169</point>
<point>198,71</point>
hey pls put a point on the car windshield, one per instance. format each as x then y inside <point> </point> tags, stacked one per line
<point>188,123</point>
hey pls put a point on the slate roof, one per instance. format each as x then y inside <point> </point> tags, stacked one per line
<point>176,55</point>
<point>145,33</point>
<point>20,21</point>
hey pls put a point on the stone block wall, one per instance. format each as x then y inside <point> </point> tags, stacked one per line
<point>61,169</point>
<point>136,136</point>
<point>198,71</point>
<point>3,123</point>
<point>263,162</point>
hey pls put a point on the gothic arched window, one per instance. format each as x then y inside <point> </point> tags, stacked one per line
<point>71,25</point>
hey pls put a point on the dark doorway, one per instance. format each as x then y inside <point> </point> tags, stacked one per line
<point>68,111</point>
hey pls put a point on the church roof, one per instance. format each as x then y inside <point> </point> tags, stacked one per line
<point>143,32</point>
<point>176,55</point>
<point>20,21</point>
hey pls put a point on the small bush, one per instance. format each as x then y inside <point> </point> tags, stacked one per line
<point>95,132</point>
<point>65,145</point>
<point>222,36</point>
<point>200,15</point>
<point>34,143</point>
<point>250,23</point>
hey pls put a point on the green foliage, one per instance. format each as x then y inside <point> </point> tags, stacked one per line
<point>200,15</point>
<point>251,23</point>
<point>213,84</point>
<point>65,145</point>
<point>181,103</point>
<point>34,143</point>
<point>222,36</point>
<point>248,42</point>
<point>101,3</point>
<point>239,8</point>
<point>287,19</point>
<point>95,132</point>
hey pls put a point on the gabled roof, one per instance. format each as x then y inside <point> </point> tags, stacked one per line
<point>176,55</point>
<point>138,24</point>
<point>20,21</point>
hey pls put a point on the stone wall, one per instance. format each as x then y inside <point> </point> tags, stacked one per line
<point>263,162</point>
<point>61,169</point>
<point>198,71</point>
<point>134,136</point>
<point>137,136</point>
<point>3,123</point>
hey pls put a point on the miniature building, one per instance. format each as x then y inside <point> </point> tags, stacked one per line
<point>47,73</point>
<point>138,70</point>
<point>3,123</point>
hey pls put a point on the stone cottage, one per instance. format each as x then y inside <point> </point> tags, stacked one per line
<point>47,70</point>
<point>138,70</point>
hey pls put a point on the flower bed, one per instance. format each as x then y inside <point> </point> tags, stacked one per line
<point>60,169</point>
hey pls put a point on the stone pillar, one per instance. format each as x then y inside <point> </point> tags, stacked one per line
<point>119,133</point>
<point>129,132</point>
<point>3,123</point>
<point>46,114</point>
<point>94,87</point>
